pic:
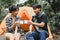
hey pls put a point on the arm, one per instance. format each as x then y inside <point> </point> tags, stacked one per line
<point>43,21</point>
<point>16,23</point>
<point>30,28</point>
<point>13,25</point>
<point>39,24</point>
<point>8,25</point>
<point>49,31</point>
<point>16,30</point>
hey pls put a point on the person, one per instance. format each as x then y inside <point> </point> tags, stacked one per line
<point>39,22</point>
<point>12,23</point>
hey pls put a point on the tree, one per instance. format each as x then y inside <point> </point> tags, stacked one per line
<point>3,5</point>
<point>55,4</point>
<point>30,2</point>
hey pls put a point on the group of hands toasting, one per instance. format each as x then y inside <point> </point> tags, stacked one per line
<point>30,29</point>
<point>23,22</point>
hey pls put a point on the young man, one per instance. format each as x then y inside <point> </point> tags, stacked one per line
<point>11,22</point>
<point>39,21</point>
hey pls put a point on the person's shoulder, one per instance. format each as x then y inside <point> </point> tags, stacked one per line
<point>44,14</point>
<point>8,17</point>
<point>33,16</point>
<point>18,17</point>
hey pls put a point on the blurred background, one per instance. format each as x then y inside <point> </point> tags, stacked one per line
<point>51,7</point>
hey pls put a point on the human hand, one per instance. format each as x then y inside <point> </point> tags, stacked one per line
<point>50,37</point>
<point>17,22</point>
<point>30,22</point>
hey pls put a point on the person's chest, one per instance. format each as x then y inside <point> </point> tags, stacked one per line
<point>37,19</point>
<point>12,20</point>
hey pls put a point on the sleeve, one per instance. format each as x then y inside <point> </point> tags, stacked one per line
<point>44,18</point>
<point>18,18</point>
<point>32,18</point>
<point>8,23</point>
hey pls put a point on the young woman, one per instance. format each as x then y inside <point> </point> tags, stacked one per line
<point>11,22</point>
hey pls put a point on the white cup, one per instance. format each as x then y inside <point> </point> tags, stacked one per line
<point>25,21</point>
<point>21,22</point>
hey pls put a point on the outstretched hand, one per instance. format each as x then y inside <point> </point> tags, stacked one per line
<point>30,22</point>
<point>50,37</point>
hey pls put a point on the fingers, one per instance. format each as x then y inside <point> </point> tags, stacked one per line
<point>30,22</point>
<point>51,37</point>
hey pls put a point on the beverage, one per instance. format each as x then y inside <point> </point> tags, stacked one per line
<point>21,22</point>
<point>25,21</point>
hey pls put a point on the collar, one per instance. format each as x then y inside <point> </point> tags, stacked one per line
<point>40,14</point>
<point>11,17</point>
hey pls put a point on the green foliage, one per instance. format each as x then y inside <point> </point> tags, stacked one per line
<point>6,3</point>
<point>3,5</point>
<point>30,2</point>
<point>53,16</point>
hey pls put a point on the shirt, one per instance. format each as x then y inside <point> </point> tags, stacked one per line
<point>9,22</point>
<point>41,17</point>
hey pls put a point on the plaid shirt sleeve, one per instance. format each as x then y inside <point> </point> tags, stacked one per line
<point>8,24</point>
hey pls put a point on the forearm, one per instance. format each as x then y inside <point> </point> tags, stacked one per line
<point>49,30</point>
<point>30,28</point>
<point>39,24</point>
<point>13,26</point>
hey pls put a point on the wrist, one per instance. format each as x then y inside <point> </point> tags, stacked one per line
<point>34,23</point>
<point>50,35</point>
<point>30,31</point>
<point>11,28</point>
